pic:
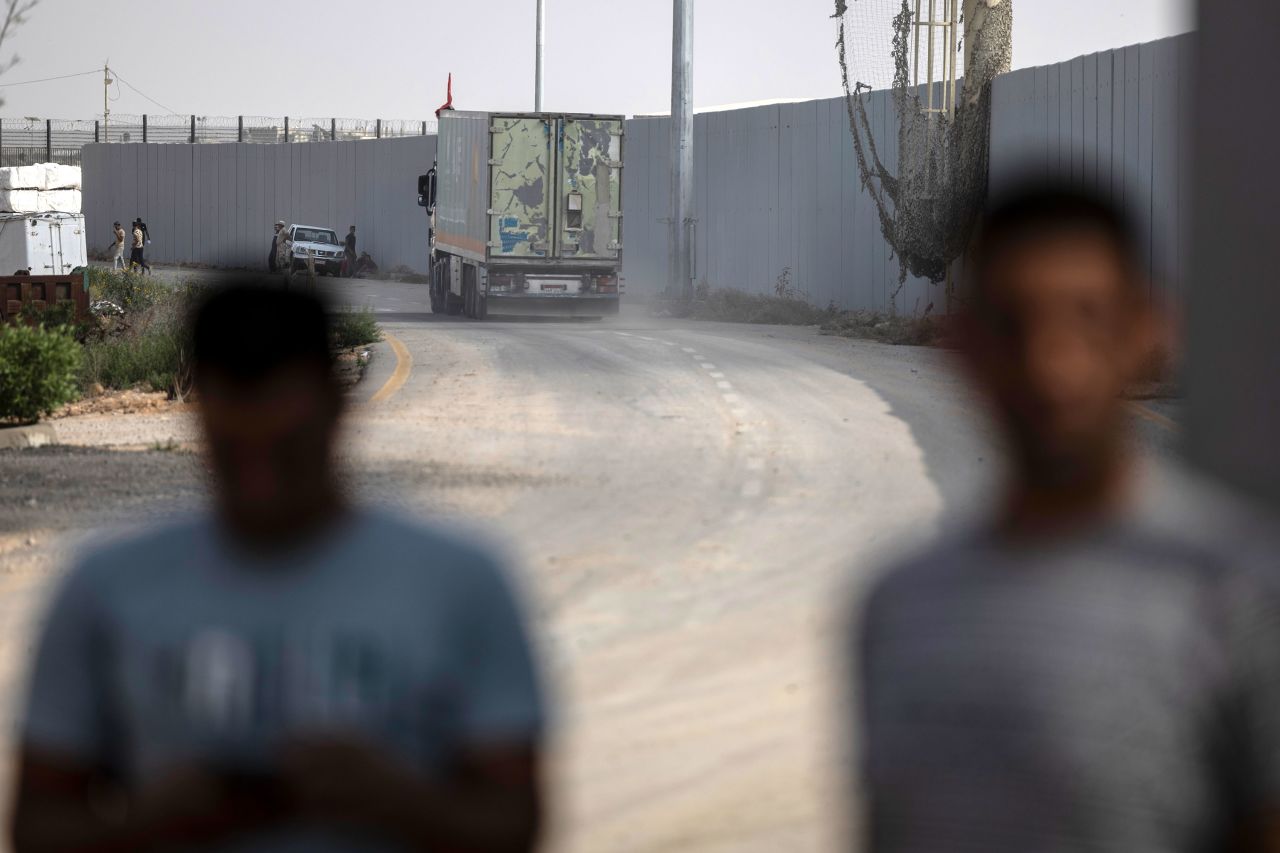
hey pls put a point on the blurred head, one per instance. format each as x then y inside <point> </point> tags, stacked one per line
<point>1060,325</point>
<point>353,229</point>
<point>269,403</point>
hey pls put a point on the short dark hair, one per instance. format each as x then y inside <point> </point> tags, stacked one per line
<point>1036,211</point>
<point>247,329</point>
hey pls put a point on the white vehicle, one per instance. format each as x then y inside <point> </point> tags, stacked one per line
<point>42,243</point>
<point>317,242</point>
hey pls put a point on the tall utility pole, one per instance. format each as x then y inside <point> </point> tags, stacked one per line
<point>680,288</point>
<point>106,108</point>
<point>541,41</point>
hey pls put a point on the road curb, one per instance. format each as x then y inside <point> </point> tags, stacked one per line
<point>23,437</point>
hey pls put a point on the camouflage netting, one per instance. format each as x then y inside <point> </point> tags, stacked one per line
<point>928,209</point>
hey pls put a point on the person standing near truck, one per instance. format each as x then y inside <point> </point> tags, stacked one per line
<point>349,252</point>
<point>117,249</point>
<point>137,257</point>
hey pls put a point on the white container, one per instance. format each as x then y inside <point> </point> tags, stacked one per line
<point>42,243</point>
<point>40,176</point>
<point>40,201</point>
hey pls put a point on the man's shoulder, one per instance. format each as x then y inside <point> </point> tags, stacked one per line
<point>432,545</point>
<point>945,560</point>
<point>122,556</point>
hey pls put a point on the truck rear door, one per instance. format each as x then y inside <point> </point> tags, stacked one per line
<point>521,181</point>
<point>589,200</point>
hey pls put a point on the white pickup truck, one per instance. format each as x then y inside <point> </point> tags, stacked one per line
<point>321,243</point>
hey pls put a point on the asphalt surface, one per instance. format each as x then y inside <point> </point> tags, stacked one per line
<point>692,508</point>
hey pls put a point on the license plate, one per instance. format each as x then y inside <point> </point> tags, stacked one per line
<point>557,287</point>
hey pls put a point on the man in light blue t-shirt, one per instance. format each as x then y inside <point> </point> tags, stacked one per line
<point>290,673</point>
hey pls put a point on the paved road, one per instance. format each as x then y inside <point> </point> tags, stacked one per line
<point>693,506</point>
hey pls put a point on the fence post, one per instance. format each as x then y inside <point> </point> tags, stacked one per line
<point>286,128</point>
<point>193,130</point>
<point>240,129</point>
<point>424,128</point>
<point>333,130</point>
<point>1,142</point>
<point>144,127</point>
<point>377,130</point>
<point>95,130</point>
<point>48,140</point>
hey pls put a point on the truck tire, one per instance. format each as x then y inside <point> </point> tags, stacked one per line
<point>452,304</point>
<point>482,311</point>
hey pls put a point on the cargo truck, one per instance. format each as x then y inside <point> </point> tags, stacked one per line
<point>526,212</point>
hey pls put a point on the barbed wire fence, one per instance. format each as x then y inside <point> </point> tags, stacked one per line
<point>38,140</point>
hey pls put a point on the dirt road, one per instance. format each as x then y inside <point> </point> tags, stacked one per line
<point>692,507</point>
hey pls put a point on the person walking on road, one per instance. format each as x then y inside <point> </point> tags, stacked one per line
<point>289,671</point>
<point>137,255</point>
<point>349,252</point>
<point>117,248</point>
<point>1098,667</point>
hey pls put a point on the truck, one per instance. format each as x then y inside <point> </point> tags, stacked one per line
<point>526,213</point>
<point>42,243</point>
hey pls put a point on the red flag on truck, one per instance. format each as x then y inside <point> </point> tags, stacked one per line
<point>447,105</point>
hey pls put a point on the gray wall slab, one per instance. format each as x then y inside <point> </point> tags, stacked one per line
<point>1119,127</point>
<point>215,204</point>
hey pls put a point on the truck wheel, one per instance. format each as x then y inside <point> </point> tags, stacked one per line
<point>452,305</point>
<point>482,311</point>
<point>436,308</point>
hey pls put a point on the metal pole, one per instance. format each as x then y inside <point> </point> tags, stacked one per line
<point>538,63</point>
<point>239,128</point>
<point>48,140</point>
<point>144,127</point>
<point>333,130</point>
<point>915,30</point>
<point>952,49</point>
<point>106,107</point>
<point>933,8</point>
<point>95,130</point>
<point>377,129</point>
<point>286,128</point>
<point>682,211</point>
<point>193,130</point>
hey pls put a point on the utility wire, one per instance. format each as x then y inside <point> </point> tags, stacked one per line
<point>142,93</point>
<point>47,79</point>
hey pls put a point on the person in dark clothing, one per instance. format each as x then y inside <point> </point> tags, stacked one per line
<point>137,255</point>
<point>272,264</point>
<point>349,252</point>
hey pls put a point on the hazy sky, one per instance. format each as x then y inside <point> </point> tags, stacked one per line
<point>389,58</point>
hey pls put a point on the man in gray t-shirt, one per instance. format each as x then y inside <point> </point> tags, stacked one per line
<point>290,673</point>
<point>1098,669</point>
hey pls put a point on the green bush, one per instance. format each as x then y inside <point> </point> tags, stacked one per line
<point>132,294</point>
<point>38,368</point>
<point>151,349</point>
<point>353,328</point>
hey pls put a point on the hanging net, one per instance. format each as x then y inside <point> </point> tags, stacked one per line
<point>928,208</point>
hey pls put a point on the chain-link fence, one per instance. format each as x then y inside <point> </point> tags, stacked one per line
<point>37,140</point>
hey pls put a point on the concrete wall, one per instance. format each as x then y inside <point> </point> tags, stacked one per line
<point>215,204</point>
<point>1115,121</point>
<point>775,187</point>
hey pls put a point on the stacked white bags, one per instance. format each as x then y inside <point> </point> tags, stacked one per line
<point>41,188</point>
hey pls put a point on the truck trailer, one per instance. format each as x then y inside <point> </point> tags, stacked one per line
<point>526,212</point>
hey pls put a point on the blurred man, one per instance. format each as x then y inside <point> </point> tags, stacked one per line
<point>291,672</point>
<point>284,249</point>
<point>1098,669</point>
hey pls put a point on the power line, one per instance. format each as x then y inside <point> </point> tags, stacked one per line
<point>142,93</point>
<point>47,79</point>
